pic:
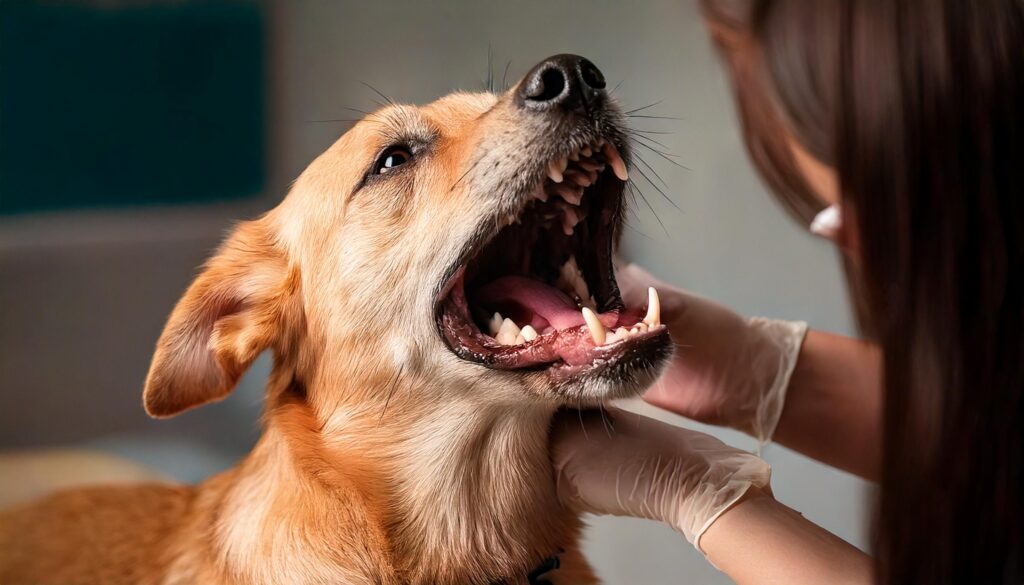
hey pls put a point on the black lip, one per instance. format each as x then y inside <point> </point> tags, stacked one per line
<point>622,360</point>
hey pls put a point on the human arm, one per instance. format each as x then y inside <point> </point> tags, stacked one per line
<point>716,496</point>
<point>819,394</point>
<point>760,540</point>
<point>833,407</point>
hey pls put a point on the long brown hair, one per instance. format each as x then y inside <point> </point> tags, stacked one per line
<point>918,105</point>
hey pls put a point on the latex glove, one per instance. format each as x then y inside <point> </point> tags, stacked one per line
<point>727,370</point>
<point>625,464</point>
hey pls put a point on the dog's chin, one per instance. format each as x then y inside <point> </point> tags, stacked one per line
<point>537,294</point>
<point>625,375</point>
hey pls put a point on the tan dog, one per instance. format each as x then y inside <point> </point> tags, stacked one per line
<point>406,424</point>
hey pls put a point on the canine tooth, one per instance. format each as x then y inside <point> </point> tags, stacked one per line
<point>575,156</point>
<point>508,332</point>
<point>555,171</point>
<point>622,332</point>
<point>495,324</point>
<point>563,163</point>
<point>653,317</point>
<point>520,339</point>
<point>635,330</point>
<point>542,195</point>
<point>600,142</point>
<point>597,330</point>
<point>615,159</point>
<point>585,151</point>
<point>528,333</point>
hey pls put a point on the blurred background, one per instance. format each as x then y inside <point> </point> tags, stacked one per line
<point>132,135</point>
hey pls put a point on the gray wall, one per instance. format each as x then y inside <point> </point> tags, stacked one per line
<point>82,297</point>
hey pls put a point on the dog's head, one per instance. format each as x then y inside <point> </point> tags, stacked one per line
<point>470,240</point>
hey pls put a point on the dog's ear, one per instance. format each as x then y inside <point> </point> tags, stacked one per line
<point>229,315</point>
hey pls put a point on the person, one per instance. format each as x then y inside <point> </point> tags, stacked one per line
<point>907,116</point>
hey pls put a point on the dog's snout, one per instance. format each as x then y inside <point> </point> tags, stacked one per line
<point>563,81</point>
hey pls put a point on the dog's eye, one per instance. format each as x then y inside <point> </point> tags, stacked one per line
<point>396,156</point>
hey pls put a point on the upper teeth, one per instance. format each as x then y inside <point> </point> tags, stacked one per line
<point>614,159</point>
<point>571,281</point>
<point>582,157</point>
<point>506,332</point>
<point>555,169</point>
<point>570,175</point>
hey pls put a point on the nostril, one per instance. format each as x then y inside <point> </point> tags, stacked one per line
<point>591,75</point>
<point>548,85</point>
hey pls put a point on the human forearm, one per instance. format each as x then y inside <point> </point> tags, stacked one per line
<point>833,407</point>
<point>760,540</point>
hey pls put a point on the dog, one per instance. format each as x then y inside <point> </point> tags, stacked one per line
<point>433,288</point>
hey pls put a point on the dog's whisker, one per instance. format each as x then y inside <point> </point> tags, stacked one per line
<point>380,93</point>
<point>643,197</point>
<point>653,117</point>
<point>635,110</point>
<point>504,83</point>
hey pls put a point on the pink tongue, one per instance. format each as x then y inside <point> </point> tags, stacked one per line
<point>526,298</point>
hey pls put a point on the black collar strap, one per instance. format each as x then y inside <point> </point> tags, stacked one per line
<point>536,576</point>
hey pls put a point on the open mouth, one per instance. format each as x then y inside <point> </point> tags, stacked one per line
<point>541,293</point>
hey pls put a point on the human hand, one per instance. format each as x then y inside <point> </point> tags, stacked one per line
<point>727,370</point>
<point>625,464</point>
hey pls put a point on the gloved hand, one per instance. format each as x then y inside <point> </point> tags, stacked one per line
<point>625,464</point>
<point>727,370</point>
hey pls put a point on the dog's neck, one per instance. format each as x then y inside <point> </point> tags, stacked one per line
<point>455,492</point>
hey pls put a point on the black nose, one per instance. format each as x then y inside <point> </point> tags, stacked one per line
<point>562,81</point>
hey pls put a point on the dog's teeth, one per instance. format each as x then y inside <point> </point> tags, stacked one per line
<point>597,330</point>
<point>571,279</point>
<point>508,332</point>
<point>495,324</point>
<point>579,177</point>
<point>575,156</point>
<point>615,160</point>
<point>600,143</point>
<point>571,194</point>
<point>591,165</point>
<point>585,151</point>
<point>555,171</point>
<point>520,339</point>
<point>570,219</point>
<point>653,317</point>
<point>563,163</point>
<point>529,333</point>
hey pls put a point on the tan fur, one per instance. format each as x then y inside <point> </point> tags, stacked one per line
<point>385,459</point>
